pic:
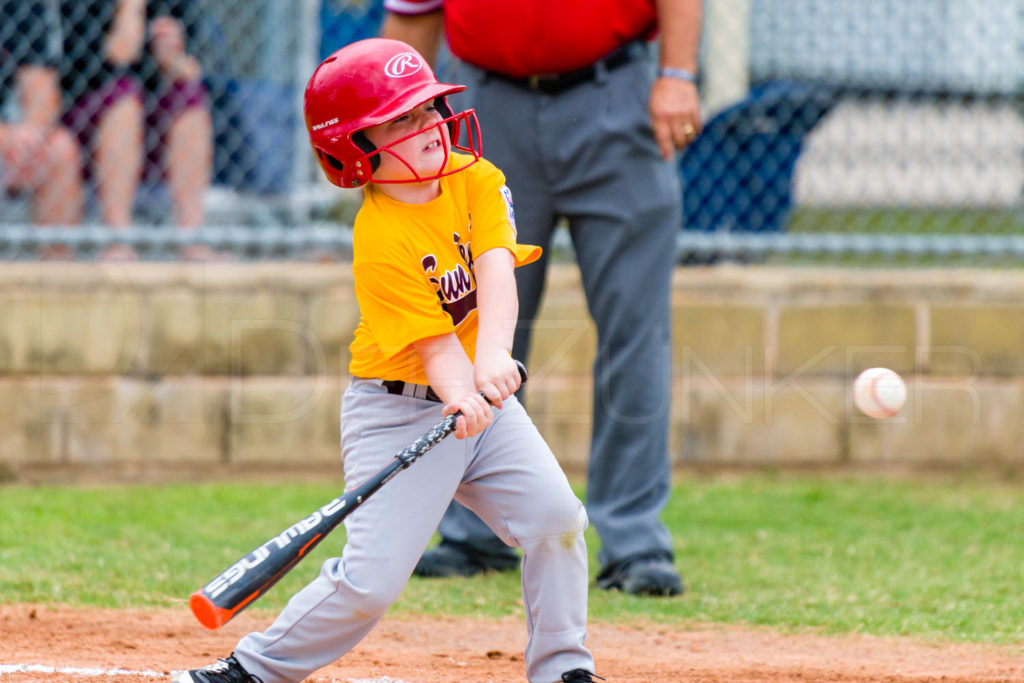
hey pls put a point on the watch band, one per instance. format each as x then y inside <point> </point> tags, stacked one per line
<point>681,74</point>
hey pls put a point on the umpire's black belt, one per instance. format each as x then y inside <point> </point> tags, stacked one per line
<point>552,84</point>
<point>397,386</point>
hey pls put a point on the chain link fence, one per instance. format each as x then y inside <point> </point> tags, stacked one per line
<point>880,131</point>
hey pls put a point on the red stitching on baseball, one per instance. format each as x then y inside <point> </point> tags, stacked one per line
<point>886,410</point>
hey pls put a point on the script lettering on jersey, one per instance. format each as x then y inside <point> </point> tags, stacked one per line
<point>455,287</point>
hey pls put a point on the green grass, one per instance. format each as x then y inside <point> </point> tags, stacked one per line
<point>942,560</point>
<point>896,220</point>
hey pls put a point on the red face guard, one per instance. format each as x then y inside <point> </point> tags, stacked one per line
<point>455,124</point>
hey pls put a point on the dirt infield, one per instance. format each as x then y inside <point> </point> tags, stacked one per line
<point>62,644</point>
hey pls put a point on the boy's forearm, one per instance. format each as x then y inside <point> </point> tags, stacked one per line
<point>497,302</point>
<point>447,366</point>
<point>445,362</point>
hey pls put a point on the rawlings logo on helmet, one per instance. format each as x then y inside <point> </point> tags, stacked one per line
<point>403,64</point>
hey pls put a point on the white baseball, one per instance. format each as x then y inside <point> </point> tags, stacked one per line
<point>879,392</point>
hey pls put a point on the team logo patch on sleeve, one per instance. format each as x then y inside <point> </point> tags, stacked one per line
<point>506,194</point>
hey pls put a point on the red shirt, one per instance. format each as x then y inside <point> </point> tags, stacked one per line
<point>522,38</point>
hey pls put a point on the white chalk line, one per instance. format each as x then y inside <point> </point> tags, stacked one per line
<point>41,669</point>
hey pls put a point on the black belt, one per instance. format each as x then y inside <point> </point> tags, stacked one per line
<point>552,84</point>
<point>397,386</point>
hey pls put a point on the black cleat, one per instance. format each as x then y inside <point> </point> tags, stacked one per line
<point>458,559</point>
<point>645,574</point>
<point>222,671</point>
<point>580,676</point>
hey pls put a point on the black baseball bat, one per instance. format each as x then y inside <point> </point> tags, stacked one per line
<point>237,587</point>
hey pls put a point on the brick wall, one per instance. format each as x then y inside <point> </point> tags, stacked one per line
<point>153,365</point>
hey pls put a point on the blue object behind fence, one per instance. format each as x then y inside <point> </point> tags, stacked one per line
<point>342,23</point>
<point>737,175</point>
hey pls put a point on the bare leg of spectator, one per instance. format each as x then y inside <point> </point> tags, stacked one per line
<point>58,198</point>
<point>117,166</point>
<point>189,159</point>
<point>189,164</point>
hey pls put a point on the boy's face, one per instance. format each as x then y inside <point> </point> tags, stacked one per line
<point>426,152</point>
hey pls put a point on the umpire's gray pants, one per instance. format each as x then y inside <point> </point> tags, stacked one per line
<point>589,154</point>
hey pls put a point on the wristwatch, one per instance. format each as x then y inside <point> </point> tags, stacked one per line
<point>681,74</point>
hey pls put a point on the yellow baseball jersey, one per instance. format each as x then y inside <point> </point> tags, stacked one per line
<point>413,267</point>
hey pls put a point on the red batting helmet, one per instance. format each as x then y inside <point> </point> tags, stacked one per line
<point>365,84</point>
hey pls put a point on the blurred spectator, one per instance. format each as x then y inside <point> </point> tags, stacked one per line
<point>179,119</point>
<point>122,94</point>
<point>103,39</point>
<point>37,155</point>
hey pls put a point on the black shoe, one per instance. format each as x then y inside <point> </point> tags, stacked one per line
<point>223,671</point>
<point>457,559</point>
<point>580,676</point>
<point>645,574</point>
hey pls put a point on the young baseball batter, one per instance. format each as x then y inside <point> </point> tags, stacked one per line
<point>434,252</point>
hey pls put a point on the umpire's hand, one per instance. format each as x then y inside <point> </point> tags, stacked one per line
<point>675,114</point>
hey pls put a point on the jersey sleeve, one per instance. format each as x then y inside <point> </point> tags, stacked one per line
<point>397,307</point>
<point>413,7</point>
<point>493,216</point>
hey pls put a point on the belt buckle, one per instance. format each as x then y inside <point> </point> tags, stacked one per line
<point>534,82</point>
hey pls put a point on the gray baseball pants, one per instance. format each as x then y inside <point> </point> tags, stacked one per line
<point>506,474</point>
